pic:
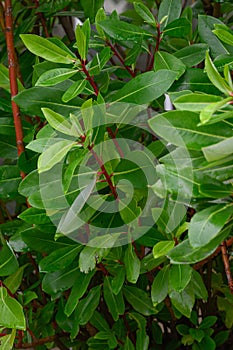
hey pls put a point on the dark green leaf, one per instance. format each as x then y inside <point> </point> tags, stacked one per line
<point>169,10</point>
<point>115,303</point>
<point>59,281</point>
<point>192,55</point>
<point>145,87</point>
<point>208,322</point>
<point>164,60</point>
<point>179,28</point>
<point>183,301</point>
<point>87,306</point>
<point>159,288</point>
<point>8,262</point>
<point>9,181</point>
<point>132,264</point>
<point>139,300</point>
<point>179,276</point>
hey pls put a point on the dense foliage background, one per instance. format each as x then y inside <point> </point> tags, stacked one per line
<point>116,205</point>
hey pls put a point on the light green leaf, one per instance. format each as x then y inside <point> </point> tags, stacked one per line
<point>207,113</point>
<point>206,224</point>
<point>218,151</point>
<point>74,90</point>
<point>146,87</point>
<point>8,262</point>
<point>195,102</point>
<point>54,154</point>
<point>55,76</point>
<point>159,288</point>
<point>46,49</point>
<point>215,77</point>
<point>7,341</point>
<point>224,35</point>
<point>144,13</point>
<point>179,276</point>
<point>13,282</point>
<point>57,121</point>
<point>161,248</point>
<point>11,312</point>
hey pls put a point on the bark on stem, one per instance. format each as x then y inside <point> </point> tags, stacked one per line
<point>12,65</point>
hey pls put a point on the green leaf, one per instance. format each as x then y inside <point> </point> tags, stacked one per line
<point>195,102</point>
<point>181,27</point>
<point>132,264</point>
<point>7,341</point>
<point>8,262</point>
<point>33,99</point>
<point>78,290</point>
<point>120,30</point>
<point>161,248</point>
<point>179,276</point>
<point>87,306</point>
<point>35,216</point>
<point>146,87</point>
<point>11,312</point>
<point>225,306</point>
<point>139,300</point>
<point>198,285</point>
<point>208,322</point>
<point>218,151</point>
<point>192,55</point>
<point>99,322</point>
<point>54,154</point>
<point>60,280</point>
<point>59,259</point>
<point>9,181</point>
<point>46,49</point>
<point>144,13</point>
<point>44,241</point>
<point>128,344</point>
<point>206,224</point>
<point>159,288</point>
<point>224,35</point>
<point>215,77</point>
<point>82,34</point>
<point>74,90</point>
<point>164,60</point>
<point>183,301</point>
<point>118,280</point>
<point>180,128</point>
<point>115,303</point>
<point>55,76</point>
<point>13,282</point>
<point>91,7</point>
<point>57,121</point>
<point>205,28</point>
<point>207,343</point>
<point>170,10</point>
<point>99,61</point>
<point>196,334</point>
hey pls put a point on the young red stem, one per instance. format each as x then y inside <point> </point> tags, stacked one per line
<point>42,19</point>
<point>89,78</point>
<point>116,53</point>
<point>226,263</point>
<point>113,136</point>
<point>104,172</point>
<point>158,40</point>
<point>13,77</point>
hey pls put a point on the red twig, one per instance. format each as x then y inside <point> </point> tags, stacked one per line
<point>42,19</point>
<point>13,77</point>
<point>113,136</point>
<point>227,265</point>
<point>116,53</point>
<point>158,40</point>
<point>89,78</point>
<point>104,172</point>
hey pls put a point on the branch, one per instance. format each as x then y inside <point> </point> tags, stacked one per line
<point>13,77</point>
<point>116,53</point>
<point>42,20</point>
<point>227,265</point>
<point>89,78</point>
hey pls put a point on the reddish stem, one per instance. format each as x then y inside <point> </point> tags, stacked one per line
<point>89,78</point>
<point>120,58</point>
<point>13,77</point>
<point>158,40</point>
<point>227,265</point>
<point>113,136</point>
<point>42,19</point>
<point>104,172</point>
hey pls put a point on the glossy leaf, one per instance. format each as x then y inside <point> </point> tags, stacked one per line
<point>139,300</point>
<point>183,301</point>
<point>11,312</point>
<point>224,36</point>
<point>169,11</point>
<point>144,13</point>
<point>179,276</point>
<point>75,89</point>
<point>195,102</point>
<point>192,55</point>
<point>178,28</point>
<point>218,151</point>
<point>8,262</point>
<point>14,281</point>
<point>145,87</point>
<point>48,50</point>
<point>159,288</point>
<point>87,306</point>
<point>164,60</point>
<point>198,285</point>
<point>55,76</point>
<point>161,248</point>
<point>206,224</point>
<point>115,303</point>
<point>60,280</point>
<point>132,264</point>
